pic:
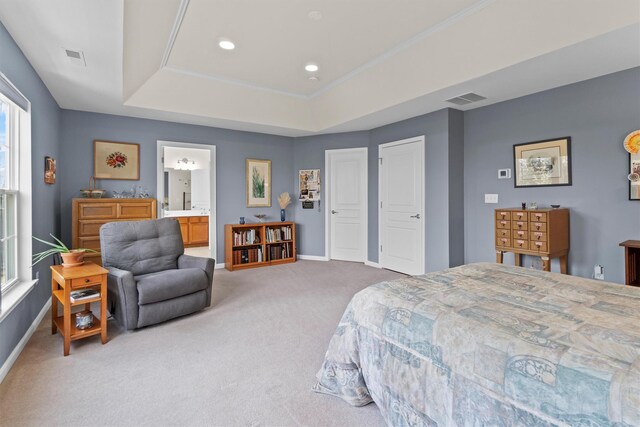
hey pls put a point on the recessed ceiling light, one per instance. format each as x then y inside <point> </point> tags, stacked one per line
<point>226,44</point>
<point>315,15</point>
<point>314,78</point>
<point>311,67</point>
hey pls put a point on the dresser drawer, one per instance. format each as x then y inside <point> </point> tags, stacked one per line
<point>520,244</point>
<point>503,224</point>
<point>538,216</point>
<point>89,242</point>
<point>133,210</point>
<point>503,242</point>
<point>503,215</point>
<point>86,281</point>
<point>518,216</point>
<point>539,226</point>
<point>90,227</point>
<point>539,246</point>
<point>538,236</point>
<point>96,210</point>
<point>503,232</point>
<point>519,225</point>
<point>520,234</point>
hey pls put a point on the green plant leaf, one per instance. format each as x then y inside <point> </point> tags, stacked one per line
<point>48,243</point>
<point>59,241</point>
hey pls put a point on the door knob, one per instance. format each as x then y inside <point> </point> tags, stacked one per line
<point>415,216</point>
<point>334,212</point>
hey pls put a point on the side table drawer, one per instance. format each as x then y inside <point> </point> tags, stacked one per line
<point>86,281</point>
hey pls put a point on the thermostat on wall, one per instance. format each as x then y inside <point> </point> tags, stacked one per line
<point>504,173</point>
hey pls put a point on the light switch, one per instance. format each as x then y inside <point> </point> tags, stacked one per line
<point>491,198</point>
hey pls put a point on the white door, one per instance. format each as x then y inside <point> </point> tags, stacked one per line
<point>401,206</point>
<point>347,207</point>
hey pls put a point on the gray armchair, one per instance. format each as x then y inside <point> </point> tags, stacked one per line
<point>150,278</point>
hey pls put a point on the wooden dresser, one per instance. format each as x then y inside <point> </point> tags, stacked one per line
<point>540,232</point>
<point>88,215</point>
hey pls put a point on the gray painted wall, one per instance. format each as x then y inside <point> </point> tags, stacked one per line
<point>45,125</point>
<point>597,114</point>
<point>75,166</point>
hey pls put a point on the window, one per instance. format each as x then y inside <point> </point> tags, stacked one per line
<point>9,143</point>
<point>16,275</point>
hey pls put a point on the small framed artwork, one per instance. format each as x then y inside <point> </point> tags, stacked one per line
<point>543,163</point>
<point>258,183</point>
<point>634,176</point>
<point>116,160</point>
<point>49,170</point>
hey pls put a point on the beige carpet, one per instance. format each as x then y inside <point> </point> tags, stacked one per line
<point>249,360</point>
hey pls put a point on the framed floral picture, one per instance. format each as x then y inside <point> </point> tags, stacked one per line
<point>543,163</point>
<point>258,183</point>
<point>116,160</point>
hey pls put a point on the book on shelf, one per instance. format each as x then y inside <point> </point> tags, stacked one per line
<point>83,295</point>
<point>279,234</point>
<point>246,256</point>
<point>282,251</point>
<point>245,237</point>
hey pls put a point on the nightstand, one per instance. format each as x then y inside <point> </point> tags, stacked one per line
<point>63,282</point>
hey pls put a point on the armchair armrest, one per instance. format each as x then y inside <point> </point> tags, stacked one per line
<point>206,264</point>
<point>122,294</point>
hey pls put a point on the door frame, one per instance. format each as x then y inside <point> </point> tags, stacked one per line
<point>365,200</point>
<point>421,141</point>
<point>213,242</point>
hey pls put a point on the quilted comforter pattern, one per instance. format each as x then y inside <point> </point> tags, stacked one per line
<point>490,345</point>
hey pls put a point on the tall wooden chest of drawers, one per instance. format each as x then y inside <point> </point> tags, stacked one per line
<point>540,232</point>
<point>88,215</point>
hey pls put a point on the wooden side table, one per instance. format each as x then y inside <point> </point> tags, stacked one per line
<point>631,262</point>
<point>63,281</point>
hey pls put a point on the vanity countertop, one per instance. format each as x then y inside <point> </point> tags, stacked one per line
<point>173,214</point>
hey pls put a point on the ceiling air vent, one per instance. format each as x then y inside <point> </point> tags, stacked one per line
<point>76,57</point>
<point>467,98</point>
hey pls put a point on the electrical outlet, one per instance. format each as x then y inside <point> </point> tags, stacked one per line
<point>598,272</point>
<point>491,198</point>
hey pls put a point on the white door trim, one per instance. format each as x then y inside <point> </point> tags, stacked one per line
<point>421,140</point>
<point>327,208</point>
<point>213,242</point>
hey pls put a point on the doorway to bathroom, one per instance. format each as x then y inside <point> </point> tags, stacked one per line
<point>186,192</point>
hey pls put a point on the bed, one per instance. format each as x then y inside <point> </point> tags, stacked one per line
<point>490,345</point>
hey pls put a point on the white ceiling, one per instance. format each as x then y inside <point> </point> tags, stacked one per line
<point>380,61</point>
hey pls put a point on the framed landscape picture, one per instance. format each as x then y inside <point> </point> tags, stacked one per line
<point>634,176</point>
<point>542,163</point>
<point>49,170</point>
<point>258,183</point>
<point>116,160</point>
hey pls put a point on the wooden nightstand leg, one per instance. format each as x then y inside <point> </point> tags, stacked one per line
<point>563,264</point>
<point>54,306</point>
<point>66,313</point>
<point>518,259</point>
<point>546,263</point>
<point>103,311</point>
<point>499,257</point>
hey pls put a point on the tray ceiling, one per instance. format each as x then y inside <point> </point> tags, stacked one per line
<point>379,61</point>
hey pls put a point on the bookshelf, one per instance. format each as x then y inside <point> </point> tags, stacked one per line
<point>259,245</point>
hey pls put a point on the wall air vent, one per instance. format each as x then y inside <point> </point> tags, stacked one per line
<point>76,57</point>
<point>465,99</point>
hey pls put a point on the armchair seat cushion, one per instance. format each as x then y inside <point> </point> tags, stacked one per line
<point>169,284</point>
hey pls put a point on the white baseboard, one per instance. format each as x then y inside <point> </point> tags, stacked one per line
<point>219,266</point>
<point>372,264</point>
<point>313,258</point>
<point>4,370</point>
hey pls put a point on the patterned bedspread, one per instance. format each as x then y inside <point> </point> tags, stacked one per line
<point>490,345</point>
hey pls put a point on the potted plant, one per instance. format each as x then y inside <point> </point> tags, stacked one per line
<point>70,257</point>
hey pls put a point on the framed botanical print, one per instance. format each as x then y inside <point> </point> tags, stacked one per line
<point>542,163</point>
<point>258,183</point>
<point>116,160</point>
<point>634,176</point>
